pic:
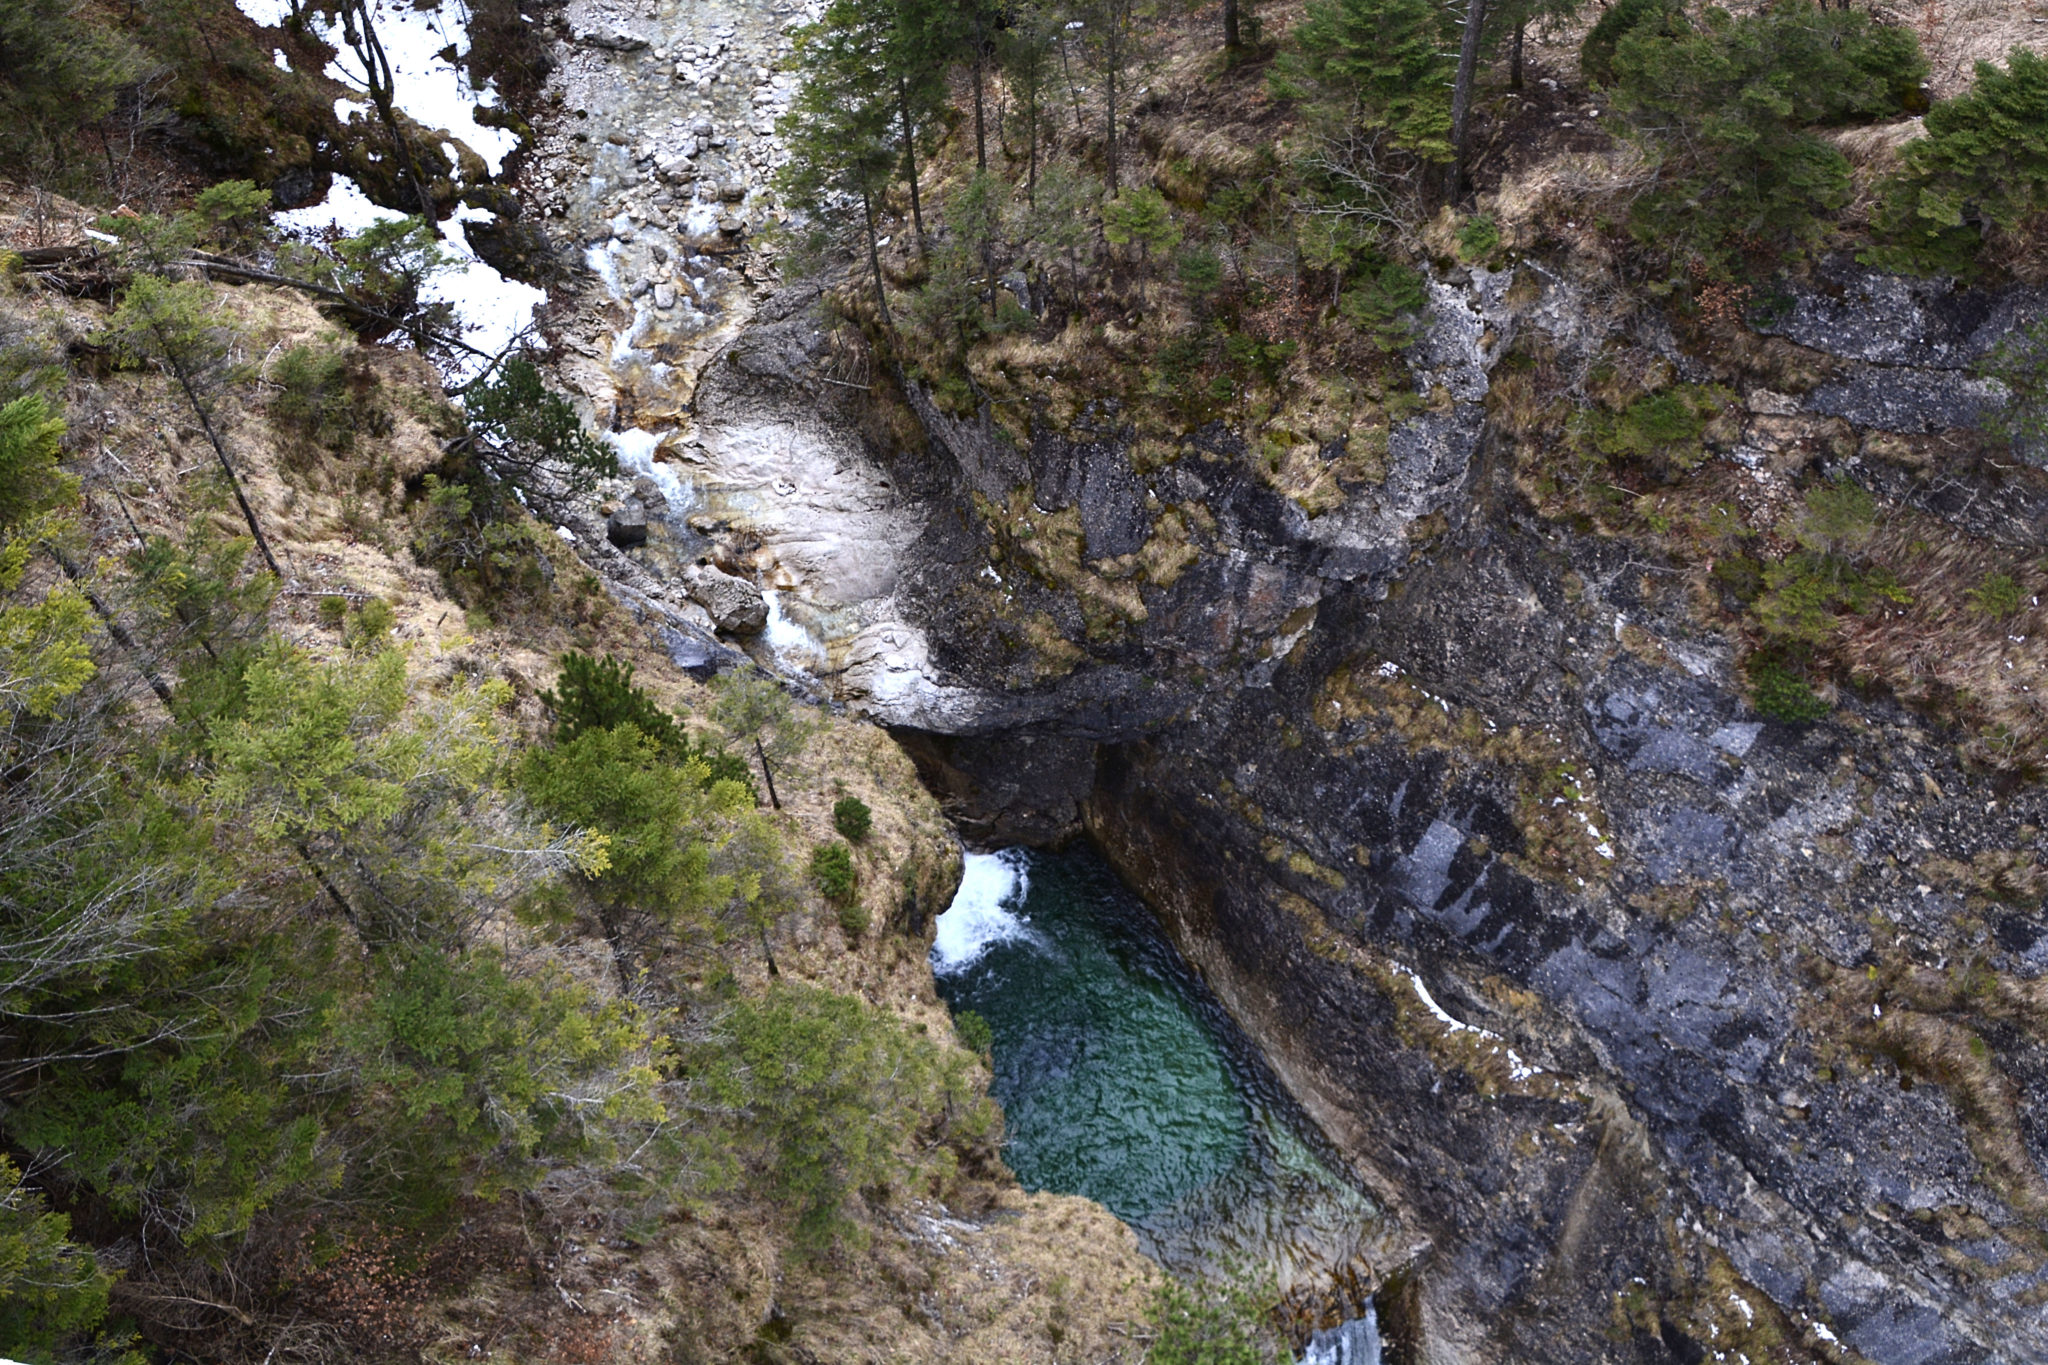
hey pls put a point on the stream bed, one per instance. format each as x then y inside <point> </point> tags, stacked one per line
<point>1122,1079</point>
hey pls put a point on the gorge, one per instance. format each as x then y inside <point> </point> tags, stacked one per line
<point>1463,714</point>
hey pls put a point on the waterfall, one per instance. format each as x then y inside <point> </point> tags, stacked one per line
<point>1356,1342</point>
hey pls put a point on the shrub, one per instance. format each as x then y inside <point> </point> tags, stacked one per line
<point>373,622</point>
<point>1596,54</point>
<point>1998,596</point>
<point>1780,691</point>
<point>600,694</point>
<point>1724,106</point>
<point>853,918</point>
<point>1981,169</point>
<point>1662,428</point>
<point>324,398</point>
<point>973,1032</point>
<point>1478,238</point>
<point>823,1094</point>
<point>1140,216</point>
<point>851,817</point>
<point>529,435</point>
<point>832,870</point>
<point>1197,1324</point>
<point>1387,305</point>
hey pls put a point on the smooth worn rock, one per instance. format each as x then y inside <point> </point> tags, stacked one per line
<point>735,604</point>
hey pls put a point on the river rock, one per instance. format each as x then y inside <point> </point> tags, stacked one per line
<point>735,604</point>
<point>628,525</point>
<point>612,40</point>
<point>664,296</point>
<point>649,493</point>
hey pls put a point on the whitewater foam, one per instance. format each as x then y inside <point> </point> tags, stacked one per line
<point>636,447</point>
<point>788,640</point>
<point>1356,1342</point>
<point>984,910</point>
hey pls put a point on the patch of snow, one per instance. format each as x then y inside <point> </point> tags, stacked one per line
<point>277,55</point>
<point>1517,1068</point>
<point>492,310</point>
<point>434,91</point>
<point>267,13</point>
<point>983,912</point>
<point>346,207</point>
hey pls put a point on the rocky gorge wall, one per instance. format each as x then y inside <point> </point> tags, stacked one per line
<point>1667,1030</point>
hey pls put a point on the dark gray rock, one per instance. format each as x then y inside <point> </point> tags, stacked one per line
<point>627,526</point>
<point>1861,314</point>
<point>1891,398</point>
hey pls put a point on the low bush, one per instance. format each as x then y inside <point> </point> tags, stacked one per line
<point>851,817</point>
<point>973,1032</point>
<point>1981,171</point>
<point>1780,690</point>
<point>1727,106</point>
<point>832,870</point>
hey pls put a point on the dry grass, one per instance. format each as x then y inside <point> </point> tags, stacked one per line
<point>1921,1019</point>
<point>1943,653</point>
<point>1556,805</point>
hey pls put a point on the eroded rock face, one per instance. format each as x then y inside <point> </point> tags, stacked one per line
<point>1650,1017</point>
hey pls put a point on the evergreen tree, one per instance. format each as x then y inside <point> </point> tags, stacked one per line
<point>755,708</point>
<point>1380,66</point>
<point>61,71</point>
<point>837,130</point>
<point>1982,170</point>
<point>1726,106</point>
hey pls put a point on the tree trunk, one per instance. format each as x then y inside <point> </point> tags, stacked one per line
<point>220,452</point>
<point>1515,58</point>
<point>1073,91</point>
<point>615,939</point>
<point>1461,93</point>
<point>156,681</point>
<point>910,163</point>
<point>1031,175</point>
<point>1109,104</point>
<point>1232,42</point>
<point>980,134</point>
<point>383,93</point>
<point>867,209</point>
<point>766,772</point>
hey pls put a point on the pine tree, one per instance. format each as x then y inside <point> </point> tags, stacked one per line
<point>1381,66</point>
<point>1982,169</point>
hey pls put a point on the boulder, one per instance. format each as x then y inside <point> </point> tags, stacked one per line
<point>735,604</point>
<point>628,525</point>
<point>649,493</point>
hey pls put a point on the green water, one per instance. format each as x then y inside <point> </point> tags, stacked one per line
<point>1122,1079</point>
